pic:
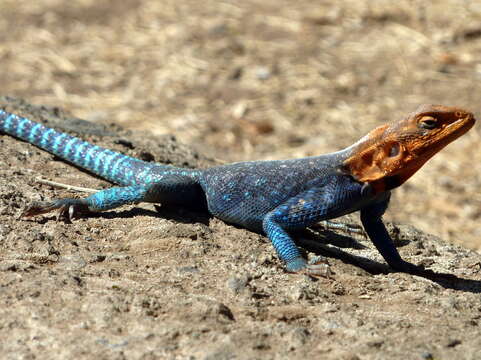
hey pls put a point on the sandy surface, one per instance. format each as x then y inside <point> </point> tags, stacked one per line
<point>236,81</point>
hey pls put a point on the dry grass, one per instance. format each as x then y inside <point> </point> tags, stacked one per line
<point>270,79</point>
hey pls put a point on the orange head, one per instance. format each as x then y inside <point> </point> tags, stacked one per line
<point>390,154</point>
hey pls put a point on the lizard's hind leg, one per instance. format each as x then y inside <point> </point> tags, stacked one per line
<point>101,200</point>
<point>171,190</point>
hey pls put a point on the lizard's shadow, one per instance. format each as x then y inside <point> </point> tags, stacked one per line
<point>317,243</point>
<point>181,215</point>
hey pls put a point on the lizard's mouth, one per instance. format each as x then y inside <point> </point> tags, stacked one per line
<point>454,130</point>
<point>462,125</point>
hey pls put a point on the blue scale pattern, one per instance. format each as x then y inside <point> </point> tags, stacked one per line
<point>110,165</point>
<point>273,206</point>
<point>273,197</point>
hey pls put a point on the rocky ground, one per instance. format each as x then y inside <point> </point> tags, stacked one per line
<point>147,283</point>
<point>235,81</point>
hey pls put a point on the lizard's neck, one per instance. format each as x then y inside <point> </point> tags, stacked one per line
<point>333,162</point>
<point>372,158</point>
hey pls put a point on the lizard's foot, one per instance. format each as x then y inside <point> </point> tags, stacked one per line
<point>344,227</point>
<point>316,267</point>
<point>68,209</point>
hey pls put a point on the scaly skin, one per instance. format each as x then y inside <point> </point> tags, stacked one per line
<point>271,197</point>
<point>392,153</point>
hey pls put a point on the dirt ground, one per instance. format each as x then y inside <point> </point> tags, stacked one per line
<point>235,81</point>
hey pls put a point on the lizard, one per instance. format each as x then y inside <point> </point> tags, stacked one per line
<point>273,197</point>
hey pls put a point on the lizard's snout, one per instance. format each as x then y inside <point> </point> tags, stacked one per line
<point>469,118</point>
<point>463,118</point>
<point>463,121</point>
<point>464,115</point>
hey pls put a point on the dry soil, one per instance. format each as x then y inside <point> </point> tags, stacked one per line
<point>235,81</point>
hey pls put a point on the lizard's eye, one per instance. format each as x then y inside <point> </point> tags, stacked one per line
<point>394,151</point>
<point>427,122</point>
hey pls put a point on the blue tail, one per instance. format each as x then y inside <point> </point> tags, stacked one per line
<point>108,164</point>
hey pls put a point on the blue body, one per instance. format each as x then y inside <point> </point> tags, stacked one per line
<point>274,197</point>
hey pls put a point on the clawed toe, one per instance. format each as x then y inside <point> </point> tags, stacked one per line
<point>38,208</point>
<point>321,270</point>
<point>66,213</point>
<point>318,267</point>
<point>68,209</point>
<point>69,212</point>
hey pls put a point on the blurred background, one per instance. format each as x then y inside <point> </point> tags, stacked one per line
<point>266,79</point>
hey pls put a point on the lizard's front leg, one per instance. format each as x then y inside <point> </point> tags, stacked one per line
<point>337,196</point>
<point>288,251</point>
<point>371,218</point>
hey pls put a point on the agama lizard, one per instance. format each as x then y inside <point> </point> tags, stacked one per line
<point>271,197</point>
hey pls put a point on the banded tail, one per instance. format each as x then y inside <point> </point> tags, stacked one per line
<point>110,165</point>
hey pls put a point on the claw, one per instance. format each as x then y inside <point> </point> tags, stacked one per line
<point>38,208</point>
<point>65,213</point>
<point>318,267</point>
<point>68,209</point>
<point>344,227</point>
<point>71,212</point>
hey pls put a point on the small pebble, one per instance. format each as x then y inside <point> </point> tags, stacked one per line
<point>263,73</point>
